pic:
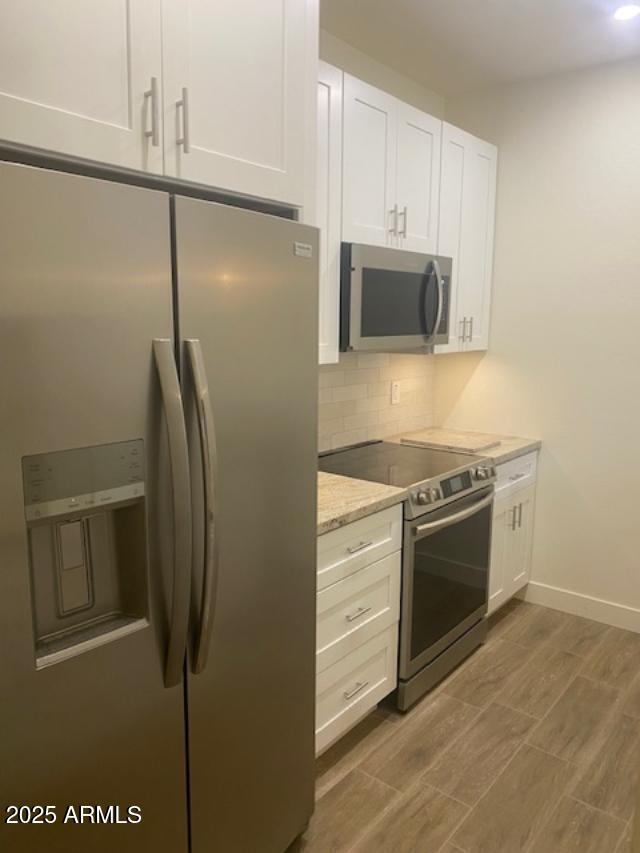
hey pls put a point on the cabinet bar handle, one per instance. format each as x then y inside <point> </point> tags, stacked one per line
<point>519,515</point>
<point>351,617</point>
<point>360,685</point>
<point>463,333</point>
<point>404,215</point>
<point>515,477</point>
<point>353,549</point>
<point>471,330</point>
<point>184,104</point>
<point>152,95</point>
<point>514,524</point>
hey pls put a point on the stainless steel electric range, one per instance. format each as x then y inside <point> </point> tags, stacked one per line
<point>446,547</point>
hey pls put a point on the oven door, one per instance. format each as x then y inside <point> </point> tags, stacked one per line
<point>445,577</point>
<point>393,300</point>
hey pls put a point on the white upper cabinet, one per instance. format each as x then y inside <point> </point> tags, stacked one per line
<point>73,78</point>
<point>328,194</point>
<point>236,87</point>
<point>391,171</point>
<point>466,231</point>
<point>418,179</point>
<point>370,211</point>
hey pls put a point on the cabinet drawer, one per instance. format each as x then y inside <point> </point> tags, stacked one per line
<point>347,549</point>
<point>357,608</point>
<point>516,473</point>
<point>354,685</point>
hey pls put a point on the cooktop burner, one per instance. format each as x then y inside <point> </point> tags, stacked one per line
<point>394,464</point>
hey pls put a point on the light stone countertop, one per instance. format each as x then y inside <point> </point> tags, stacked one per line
<point>509,446</point>
<point>345,499</point>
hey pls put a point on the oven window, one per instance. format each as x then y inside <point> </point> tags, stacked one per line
<point>394,303</point>
<point>450,578</point>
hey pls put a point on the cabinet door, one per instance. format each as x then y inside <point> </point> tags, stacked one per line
<point>236,87</point>
<point>73,77</point>
<point>479,204</point>
<point>329,205</point>
<point>369,211</point>
<point>418,179</point>
<point>518,552</point>
<point>466,230</point>
<point>498,576</point>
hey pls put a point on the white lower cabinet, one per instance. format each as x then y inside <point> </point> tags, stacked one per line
<point>512,534</point>
<point>358,608</point>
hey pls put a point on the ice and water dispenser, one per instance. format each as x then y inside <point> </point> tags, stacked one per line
<point>85,514</point>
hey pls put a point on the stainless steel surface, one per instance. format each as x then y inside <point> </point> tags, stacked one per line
<point>436,268</point>
<point>183,106</point>
<point>180,508</point>
<point>364,257</point>
<point>209,457</point>
<point>414,688</point>
<point>151,95</point>
<point>253,305</point>
<point>357,688</point>
<point>85,285</point>
<point>454,518</point>
<point>429,493</point>
<point>353,549</point>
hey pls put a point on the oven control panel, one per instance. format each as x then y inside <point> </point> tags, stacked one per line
<point>437,492</point>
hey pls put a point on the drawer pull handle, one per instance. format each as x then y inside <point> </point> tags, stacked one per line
<point>351,617</point>
<point>355,548</point>
<point>360,685</point>
<point>515,477</point>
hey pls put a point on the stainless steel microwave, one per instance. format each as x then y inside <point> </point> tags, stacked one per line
<point>392,300</point>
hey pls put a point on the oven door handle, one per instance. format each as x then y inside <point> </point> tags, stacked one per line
<point>439,281</point>
<point>435,526</point>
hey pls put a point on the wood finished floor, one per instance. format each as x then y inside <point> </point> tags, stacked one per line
<point>531,746</point>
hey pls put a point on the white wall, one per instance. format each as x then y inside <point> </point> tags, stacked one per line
<point>565,337</point>
<point>359,64</point>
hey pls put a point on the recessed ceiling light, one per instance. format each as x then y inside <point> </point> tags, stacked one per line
<point>627,12</point>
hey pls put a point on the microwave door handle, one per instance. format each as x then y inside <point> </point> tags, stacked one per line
<point>440,283</point>
<point>208,454</point>
<point>434,526</point>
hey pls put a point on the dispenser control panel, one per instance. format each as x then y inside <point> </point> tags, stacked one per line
<point>82,479</point>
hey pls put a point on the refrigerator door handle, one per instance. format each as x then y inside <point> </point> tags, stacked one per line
<point>181,508</point>
<point>206,431</point>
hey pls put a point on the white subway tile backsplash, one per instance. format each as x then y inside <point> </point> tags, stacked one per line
<point>330,378</point>
<point>349,392</point>
<point>355,397</point>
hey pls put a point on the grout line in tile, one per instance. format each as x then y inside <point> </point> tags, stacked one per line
<point>596,809</point>
<point>371,776</point>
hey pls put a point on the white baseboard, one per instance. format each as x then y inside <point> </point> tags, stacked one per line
<point>597,609</point>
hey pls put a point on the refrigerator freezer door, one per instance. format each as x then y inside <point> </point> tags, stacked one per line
<point>85,718</point>
<point>247,290</point>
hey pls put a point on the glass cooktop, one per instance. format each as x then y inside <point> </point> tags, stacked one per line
<point>394,464</point>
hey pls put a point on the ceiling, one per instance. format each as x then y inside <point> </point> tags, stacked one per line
<point>456,46</point>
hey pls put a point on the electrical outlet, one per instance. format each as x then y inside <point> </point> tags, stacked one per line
<point>395,393</point>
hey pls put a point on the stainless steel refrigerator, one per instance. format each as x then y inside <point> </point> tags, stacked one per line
<point>158,393</point>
